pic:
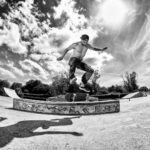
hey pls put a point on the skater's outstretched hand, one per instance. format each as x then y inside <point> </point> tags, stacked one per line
<point>102,50</point>
<point>60,58</point>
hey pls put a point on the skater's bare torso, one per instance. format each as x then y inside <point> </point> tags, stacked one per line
<point>79,50</point>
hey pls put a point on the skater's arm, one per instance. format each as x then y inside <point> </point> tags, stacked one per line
<point>66,51</point>
<point>96,49</point>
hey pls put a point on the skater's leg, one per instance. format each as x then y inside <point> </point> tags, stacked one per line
<point>89,71</point>
<point>86,76</point>
<point>72,63</point>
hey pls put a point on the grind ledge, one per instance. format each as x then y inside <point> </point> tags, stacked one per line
<point>67,108</point>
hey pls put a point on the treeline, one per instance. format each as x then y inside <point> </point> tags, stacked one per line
<point>60,85</point>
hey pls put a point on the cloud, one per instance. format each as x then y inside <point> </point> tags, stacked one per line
<point>50,64</point>
<point>6,73</point>
<point>33,68</point>
<point>75,20</point>
<point>110,79</point>
<point>98,59</point>
<point>139,48</point>
<point>11,37</point>
<point>76,23</point>
<point>15,70</point>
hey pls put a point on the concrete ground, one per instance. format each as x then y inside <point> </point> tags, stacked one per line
<point>127,130</point>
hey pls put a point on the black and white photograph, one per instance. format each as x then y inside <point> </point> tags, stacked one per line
<point>74,74</point>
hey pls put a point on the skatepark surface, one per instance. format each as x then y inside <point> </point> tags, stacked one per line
<point>127,130</point>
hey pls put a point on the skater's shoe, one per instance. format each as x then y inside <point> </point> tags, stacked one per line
<point>83,88</point>
<point>73,80</point>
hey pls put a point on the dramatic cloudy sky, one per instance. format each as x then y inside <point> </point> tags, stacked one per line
<point>34,33</point>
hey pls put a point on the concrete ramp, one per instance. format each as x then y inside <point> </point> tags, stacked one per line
<point>11,93</point>
<point>134,95</point>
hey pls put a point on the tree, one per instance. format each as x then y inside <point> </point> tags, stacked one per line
<point>102,90</point>
<point>111,88</point>
<point>60,84</point>
<point>130,82</point>
<point>3,83</point>
<point>30,85</point>
<point>41,89</point>
<point>95,86</point>
<point>143,89</point>
<point>16,85</point>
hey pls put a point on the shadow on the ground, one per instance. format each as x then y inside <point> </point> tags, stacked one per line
<point>25,129</point>
<point>2,119</point>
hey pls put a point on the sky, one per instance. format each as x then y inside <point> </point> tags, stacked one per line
<point>33,34</point>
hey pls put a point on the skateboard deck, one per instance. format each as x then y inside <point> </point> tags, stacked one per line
<point>72,97</point>
<point>77,97</point>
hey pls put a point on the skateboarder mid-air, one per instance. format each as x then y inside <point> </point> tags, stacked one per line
<point>76,61</point>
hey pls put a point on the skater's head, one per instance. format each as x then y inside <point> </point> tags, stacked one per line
<point>84,39</point>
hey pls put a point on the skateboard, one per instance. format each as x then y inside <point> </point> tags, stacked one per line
<point>75,97</point>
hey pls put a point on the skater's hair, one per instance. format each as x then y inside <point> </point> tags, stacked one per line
<point>84,37</point>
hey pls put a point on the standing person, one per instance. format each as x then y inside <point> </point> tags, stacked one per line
<point>76,61</point>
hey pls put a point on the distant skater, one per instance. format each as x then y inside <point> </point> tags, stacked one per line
<point>76,61</point>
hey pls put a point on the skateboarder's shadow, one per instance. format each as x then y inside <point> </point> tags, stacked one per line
<point>2,118</point>
<point>25,129</point>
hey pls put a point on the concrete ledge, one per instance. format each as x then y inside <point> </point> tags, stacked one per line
<point>67,108</point>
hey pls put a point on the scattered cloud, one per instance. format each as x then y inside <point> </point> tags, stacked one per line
<point>33,68</point>
<point>11,37</point>
<point>6,73</point>
<point>15,70</point>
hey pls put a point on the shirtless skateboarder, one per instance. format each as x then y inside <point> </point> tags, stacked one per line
<point>76,61</point>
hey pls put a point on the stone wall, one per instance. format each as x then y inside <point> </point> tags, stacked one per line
<point>70,108</point>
